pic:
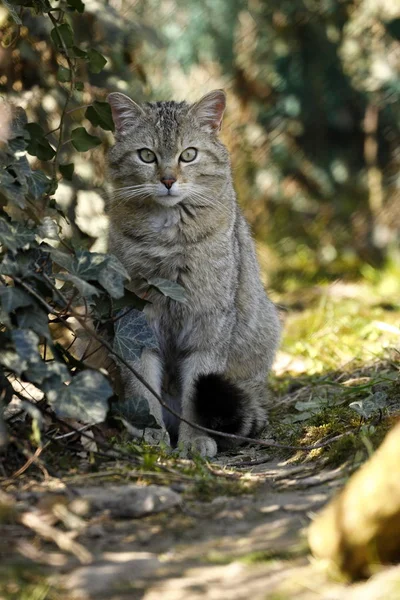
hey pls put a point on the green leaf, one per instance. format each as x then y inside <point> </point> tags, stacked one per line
<point>12,361</point>
<point>38,184</point>
<point>136,411</point>
<point>79,86</point>
<point>49,375</point>
<point>38,144</point>
<point>83,141</point>
<point>93,266</point>
<point>12,298</point>
<point>76,5</point>
<point>85,398</point>
<point>78,52</point>
<point>168,288</point>
<point>113,276</point>
<point>132,333</point>
<point>393,28</point>
<point>62,35</point>
<point>13,189</point>
<point>370,405</point>
<point>96,61</point>
<point>9,266</point>
<point>99,114</point>
<point>63,74</point>
<point>15,235</point>
<point>49,229</point>
<point>34,318</point>
<point>67,171</point>
<point>87,290</point>
<point>26,344</point>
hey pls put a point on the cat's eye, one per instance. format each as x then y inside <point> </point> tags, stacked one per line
<point>147,155</point>
<point>188,155</point>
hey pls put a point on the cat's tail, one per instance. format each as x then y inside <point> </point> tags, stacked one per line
<point>222,406</point>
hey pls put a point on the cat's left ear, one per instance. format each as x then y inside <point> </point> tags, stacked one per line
<point>125,111</point>
<point>209,110</point>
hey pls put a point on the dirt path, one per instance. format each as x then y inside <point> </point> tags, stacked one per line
<point>250,544</point>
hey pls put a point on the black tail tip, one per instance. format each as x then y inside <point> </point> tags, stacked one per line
<point>219,404</point>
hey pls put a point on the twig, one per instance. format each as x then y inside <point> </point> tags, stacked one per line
<point>213,432</point>
<point>28,463</point>
<point>70,92</point>
<point>62,539</point>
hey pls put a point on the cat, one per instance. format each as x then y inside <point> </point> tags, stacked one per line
<point>173,214</point>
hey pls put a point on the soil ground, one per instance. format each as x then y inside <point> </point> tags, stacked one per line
<point>232,528</point>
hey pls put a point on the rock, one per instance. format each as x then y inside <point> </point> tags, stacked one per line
<point>116,571</point>
<point>131,501</point>
<point>361,526</point>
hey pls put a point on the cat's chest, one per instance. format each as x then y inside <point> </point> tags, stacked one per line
<point>156,248</point>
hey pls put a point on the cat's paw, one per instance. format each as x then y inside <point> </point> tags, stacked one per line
<point>154,436</point>
<point>202,444</point>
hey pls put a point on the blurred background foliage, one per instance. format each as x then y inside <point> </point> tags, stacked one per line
<point>313,118</point>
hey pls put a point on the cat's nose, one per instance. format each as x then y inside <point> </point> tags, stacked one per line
<point>168,182</point>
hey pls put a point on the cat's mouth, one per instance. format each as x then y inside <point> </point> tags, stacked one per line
<point>169,199</point>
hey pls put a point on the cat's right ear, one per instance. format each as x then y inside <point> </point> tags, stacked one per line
<point>125,111</point>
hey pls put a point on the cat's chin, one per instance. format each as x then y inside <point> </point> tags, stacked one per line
<point>168,201</point>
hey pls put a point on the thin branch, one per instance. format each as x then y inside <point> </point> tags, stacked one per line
<point>70,92</point>
<point>213,432</point>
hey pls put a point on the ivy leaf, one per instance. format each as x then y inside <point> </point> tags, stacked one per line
<point>67,171</point>
<point>367,407</point>
<point>87,290</point>
<point>62,35</point>
<point>34,318</point>
<point>96,61</point>
<point>106,308</point>
<point>393,28</point>
<point>93,266</point>
<point>9,266</point>
<point>132,333</point>
<point>63,74</point>
<point>76,5</point>
<point>99,114</point>
<point>26,344</point>
<point>83,141</point>
<point>38,144</point>
<point>13,189</point>
<point>12,298</point>
<point>168,288</point>
<point>78,52</point>
<point>14,235</point>
<point>50,375</point>
<point>85,398</point>
<point>113,276</point>
<point>136,411</point>
<point>48,229</point>
<point>12,361</point>
<point>38,184</point>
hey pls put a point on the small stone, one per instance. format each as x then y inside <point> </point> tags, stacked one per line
<point>131,501</point>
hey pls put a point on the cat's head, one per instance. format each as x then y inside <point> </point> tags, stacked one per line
<point>168,152</point>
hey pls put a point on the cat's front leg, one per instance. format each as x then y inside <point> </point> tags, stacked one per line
<point>150,367</point>
<point>192,440</point>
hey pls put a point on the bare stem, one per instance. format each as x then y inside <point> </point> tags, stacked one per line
<point>232,436</point>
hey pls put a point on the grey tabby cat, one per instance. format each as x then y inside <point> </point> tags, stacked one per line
<point>173,214</point>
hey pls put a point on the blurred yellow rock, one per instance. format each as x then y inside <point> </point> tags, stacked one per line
<point>360,527</point>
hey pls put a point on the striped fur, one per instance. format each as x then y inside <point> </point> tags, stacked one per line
<point>196,235</point>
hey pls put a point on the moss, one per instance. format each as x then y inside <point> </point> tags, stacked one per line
<point>23,583</point>
<point>261,556</point>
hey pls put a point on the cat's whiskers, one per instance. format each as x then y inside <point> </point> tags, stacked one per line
<point>196,194</point>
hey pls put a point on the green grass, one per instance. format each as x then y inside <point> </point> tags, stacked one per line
<point>338,366</point>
